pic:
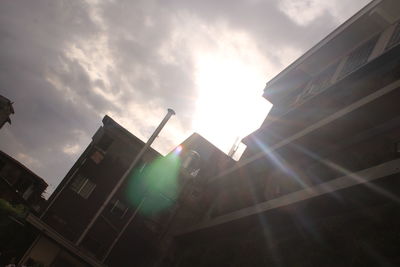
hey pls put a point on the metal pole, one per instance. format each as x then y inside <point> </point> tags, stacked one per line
<point>123,229</point>
<point>125,175</point>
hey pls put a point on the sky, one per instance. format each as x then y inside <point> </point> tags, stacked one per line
<point>65,64</point>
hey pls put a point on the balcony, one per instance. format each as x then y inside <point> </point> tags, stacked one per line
<point>367,67</point>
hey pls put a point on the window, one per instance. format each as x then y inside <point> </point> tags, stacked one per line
<point>152,226</point>
<point>22,184</point>
<point>97,157</point>
<point>358,57</point>
<point>191,163</point>
<point>82,186</point>
<point>118,208</point>
<point>104,142</point>
<point>28,192</point>
<point>322,80</point>
<point>2,164</point>
<point>195,193</point>
<point>395,39</point>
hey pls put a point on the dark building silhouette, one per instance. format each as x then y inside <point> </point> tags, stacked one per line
<point>90,180</point>
<point>19,185</point>
<point>160,196</point>
<point>318,184</point>
<point>6,109</point>
<point>82,192</point>
<point>183,203</point>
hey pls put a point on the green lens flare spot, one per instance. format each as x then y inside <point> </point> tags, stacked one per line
<point>157,182</point>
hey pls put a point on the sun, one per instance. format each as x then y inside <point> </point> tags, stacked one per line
<point>229,104</point>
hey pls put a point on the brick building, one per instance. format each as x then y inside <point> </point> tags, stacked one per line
<point>135,228</point>
<point>81,193</point>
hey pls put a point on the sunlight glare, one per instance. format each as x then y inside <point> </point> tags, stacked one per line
<point>230,104</point>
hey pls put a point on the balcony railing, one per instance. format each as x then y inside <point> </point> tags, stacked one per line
<point>395,38</point>
<point>315,85</point>
<point>358,57</point>
<point>346,65</point>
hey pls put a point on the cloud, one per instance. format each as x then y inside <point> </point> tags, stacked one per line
<point>28,159</point>
<point>35,36</point>
<point>66,64</point>
<point>304,12</point>
<point>71,149</point>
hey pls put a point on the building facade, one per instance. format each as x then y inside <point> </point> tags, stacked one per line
<point>6,109</point>
<point>19,185</point>
<point>318,183</point>
<point>85,188</point>
<point>135,228</point>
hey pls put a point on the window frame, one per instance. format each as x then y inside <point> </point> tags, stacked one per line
<point>115,207</point>
<point>80,187</point>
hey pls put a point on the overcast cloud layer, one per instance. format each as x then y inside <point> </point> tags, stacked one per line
<point>66,64</point>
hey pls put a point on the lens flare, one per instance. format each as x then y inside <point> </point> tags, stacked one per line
<point>280,163</point>
<point>178,150</point>
<point>157,183</point>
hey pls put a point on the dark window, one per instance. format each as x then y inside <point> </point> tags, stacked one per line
<point>358,57</point>
<point>322,80</point>
<point>82,186</point>
<point>22,184</point>
<point>195,193</point>
<point>93,245</point>
<point>104,142</point>
<point>152,226</point>
<point>28,192</point>
<point>118,208</point>
<point>191,163</point>
<point>395,39</point>
<point>97,156</point>
<point>2,164</point>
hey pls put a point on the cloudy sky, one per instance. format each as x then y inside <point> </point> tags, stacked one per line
<point>67,63</point>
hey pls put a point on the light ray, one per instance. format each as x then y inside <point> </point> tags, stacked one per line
<point>348,173</point>
<point>278,161</point>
